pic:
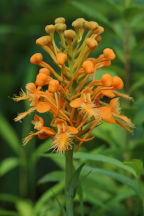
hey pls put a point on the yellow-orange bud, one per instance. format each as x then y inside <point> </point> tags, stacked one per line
<point>69,34</point>
<point>78,23</point>
<point>91,43</point>
<point>44,40</point>
<point>60,27</point>
<point>45,71</point>
<point>107,80</point>
<point>92,25</point>
<point>88,67</point>
<point>61,58</point>
<point>36,58</point>
<point>109,54</point>
<point>99,30</point>
<point>53,86</point>
<point>41,79</point>
<point>50,29</point>
<point>60,20</point>
<point>117,83</point>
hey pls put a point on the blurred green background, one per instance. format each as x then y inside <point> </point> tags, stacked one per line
<point>25,189</point>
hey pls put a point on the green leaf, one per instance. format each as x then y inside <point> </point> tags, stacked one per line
<point>7,165</point>
<point>9,135</point>
<point>73,184</point>
<point>52,177</point>
<point>105,159</point>
<point>57,158</point>
<point>42,148</point>
<point>8,198</point>
<point>111,133</point>
<point>89,10</point>
<point>131,12</point>
<point>52,192</point>
<point>7,213</point>
<point>116,5</point>
<point>137,165</point>
<point>24,208</point>
<point>119,177</point>
<point>137,84</point>
<point>80,194</point>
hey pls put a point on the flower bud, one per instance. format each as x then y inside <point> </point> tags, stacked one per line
<point>53,85</point>
<point>107,80</point>
<point>69,34</point>
<point>59,20</point>
<point>50,29</point>
<point>78,23</point>
<point>117,83</point>
<point>88,67</point>
<point>45,71</point>
<point>61,58</point>
<point>99,30</point>
<point>36,58</point>
<point>91,43</point>
<point>60,27</point>
<point>109,54</point>
<point>44,40</point>
<point>41,79</point>
<point>92,25</point>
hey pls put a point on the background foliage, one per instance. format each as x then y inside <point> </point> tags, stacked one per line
<point>31,181</point>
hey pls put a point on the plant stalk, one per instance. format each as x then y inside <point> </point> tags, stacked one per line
<point>68,177</point>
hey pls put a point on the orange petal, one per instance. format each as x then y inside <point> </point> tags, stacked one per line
<point>48,131</point>
<point>106,114</point>
<point>43,107</point>
<point>42,135</point>
<point>108,93</point>
<point>76,103</point>
<point>38,119</point>
<point>72,130</point>
<point>115,105</point>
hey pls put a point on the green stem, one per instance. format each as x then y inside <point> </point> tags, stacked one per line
<point>68,177</point>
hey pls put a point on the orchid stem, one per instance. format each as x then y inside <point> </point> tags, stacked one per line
<point>68,177</point>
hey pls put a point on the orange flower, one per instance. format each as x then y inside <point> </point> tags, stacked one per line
<point>63,138</point>
<point>42,132</point>
<point>111,114</point>
<point>85,104</point>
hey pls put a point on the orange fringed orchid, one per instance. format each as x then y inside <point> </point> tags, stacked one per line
<point>75,102</point>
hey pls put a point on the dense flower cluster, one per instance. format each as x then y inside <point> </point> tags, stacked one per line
<point>72,94</point>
